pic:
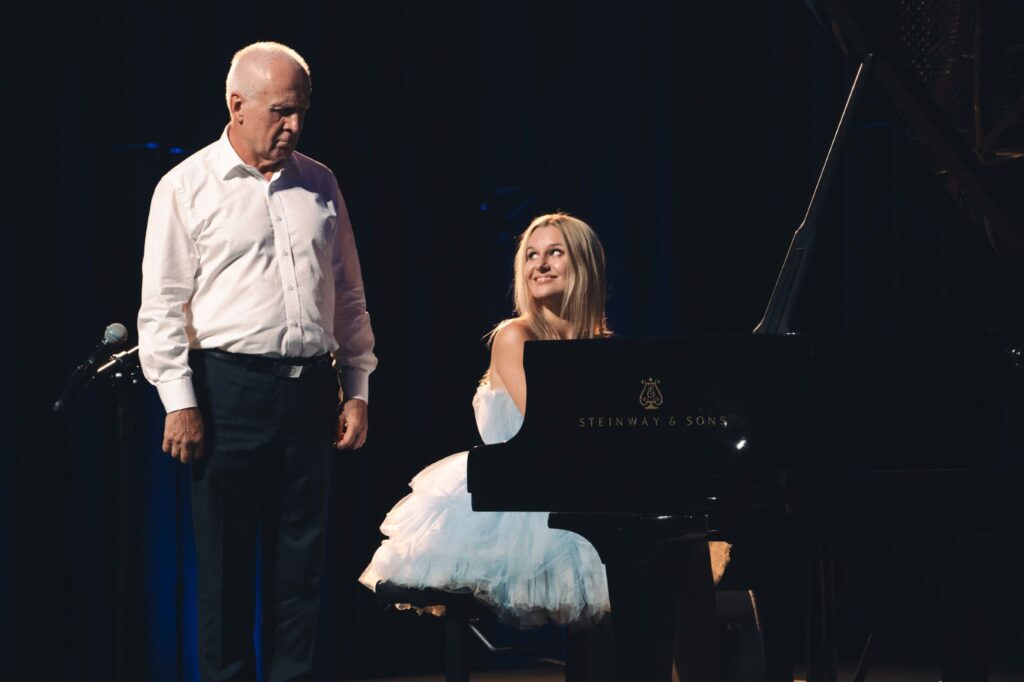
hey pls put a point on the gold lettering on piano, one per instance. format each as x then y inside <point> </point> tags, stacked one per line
<point>651,398</point>
<point>706,420</point>
<point>650,395</point>
<point>698,420</point>
<point>617,422</point>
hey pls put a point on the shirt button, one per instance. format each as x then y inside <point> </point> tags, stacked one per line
<point>284,253</point>
<point>295,324</point>
<point>277,218</point>
<point>291,288</point>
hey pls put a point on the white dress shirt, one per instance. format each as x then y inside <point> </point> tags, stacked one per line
<point>238,263</point>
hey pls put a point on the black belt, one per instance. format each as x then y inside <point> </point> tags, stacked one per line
<point>291,368</point>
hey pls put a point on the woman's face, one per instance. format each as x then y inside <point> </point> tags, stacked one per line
<point>547,264</point>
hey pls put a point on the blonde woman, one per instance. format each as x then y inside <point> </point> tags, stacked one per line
<point>528,573</point>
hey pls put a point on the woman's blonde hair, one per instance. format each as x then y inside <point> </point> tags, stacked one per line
<point>585,287</point>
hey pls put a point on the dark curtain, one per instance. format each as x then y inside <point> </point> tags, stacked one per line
<point>688,134</point>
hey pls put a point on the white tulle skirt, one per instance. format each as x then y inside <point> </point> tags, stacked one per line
<point>528,573</point>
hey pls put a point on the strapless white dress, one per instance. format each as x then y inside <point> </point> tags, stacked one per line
<point>526,572</point>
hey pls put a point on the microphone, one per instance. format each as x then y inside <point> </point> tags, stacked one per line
<point>114,336</point>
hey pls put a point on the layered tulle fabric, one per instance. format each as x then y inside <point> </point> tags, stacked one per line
<point>528,573</point>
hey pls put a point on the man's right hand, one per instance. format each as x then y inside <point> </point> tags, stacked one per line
<point>183,434</point>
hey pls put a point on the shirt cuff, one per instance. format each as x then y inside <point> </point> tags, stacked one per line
<point>355,383</point>
<point>177,394</point>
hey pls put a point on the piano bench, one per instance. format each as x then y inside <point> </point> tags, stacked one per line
<point>460,609</point>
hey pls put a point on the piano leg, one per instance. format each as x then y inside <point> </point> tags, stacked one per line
<point>965,596</point>
<point>821,607</point>
<point>647,596</point>
<point>772,561</point>
<point>695,650</point>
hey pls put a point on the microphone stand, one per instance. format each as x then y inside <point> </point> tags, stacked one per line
<point>123,375</point>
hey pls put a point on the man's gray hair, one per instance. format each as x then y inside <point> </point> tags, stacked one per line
<point>248,69</point>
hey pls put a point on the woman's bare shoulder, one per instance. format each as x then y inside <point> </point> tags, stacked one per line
<point>512,333</point>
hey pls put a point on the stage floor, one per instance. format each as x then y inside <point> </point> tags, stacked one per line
<point>549,672</point>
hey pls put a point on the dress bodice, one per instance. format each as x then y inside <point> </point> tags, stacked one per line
<point>497,417</point>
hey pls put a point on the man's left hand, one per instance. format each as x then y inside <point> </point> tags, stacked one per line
<point>353,423</point>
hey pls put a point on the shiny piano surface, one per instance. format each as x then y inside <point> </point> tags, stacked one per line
<point>643,445</point>
<point>715,423</point>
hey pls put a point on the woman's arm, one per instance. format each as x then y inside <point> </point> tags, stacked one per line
<point>507,360</point>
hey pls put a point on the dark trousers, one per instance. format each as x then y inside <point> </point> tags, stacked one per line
<point>266,468</point>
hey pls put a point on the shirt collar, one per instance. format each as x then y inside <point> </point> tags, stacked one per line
<point>227,160</point>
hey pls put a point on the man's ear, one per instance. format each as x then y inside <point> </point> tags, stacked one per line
<point>236,107</point>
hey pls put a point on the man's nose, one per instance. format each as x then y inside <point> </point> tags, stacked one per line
<point>293,122</point>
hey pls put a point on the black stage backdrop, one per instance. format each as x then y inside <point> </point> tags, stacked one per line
<point>688,134</point>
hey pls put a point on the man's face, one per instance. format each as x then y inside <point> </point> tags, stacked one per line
<point>270,121</point>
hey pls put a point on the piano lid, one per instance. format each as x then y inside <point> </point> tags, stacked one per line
<point>953,70</point>
<point>923,72</point>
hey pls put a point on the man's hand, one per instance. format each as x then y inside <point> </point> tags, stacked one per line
<point>183,434</point>
<point>353,422</point>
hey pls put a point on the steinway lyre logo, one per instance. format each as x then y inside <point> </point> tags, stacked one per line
<point>650,396</point>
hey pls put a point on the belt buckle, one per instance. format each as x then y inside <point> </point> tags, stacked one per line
<point>293,371</point>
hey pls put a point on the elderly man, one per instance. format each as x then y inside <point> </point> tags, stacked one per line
<point>251,282</point>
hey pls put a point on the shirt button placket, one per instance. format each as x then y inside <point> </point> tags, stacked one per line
<point>293,337</point>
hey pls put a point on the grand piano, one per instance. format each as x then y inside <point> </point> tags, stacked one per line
<point>647,446</point>
<point>642,444</point>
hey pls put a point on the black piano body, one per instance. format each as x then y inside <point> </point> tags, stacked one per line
<point>706,423</point>
<point>643,444</point>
